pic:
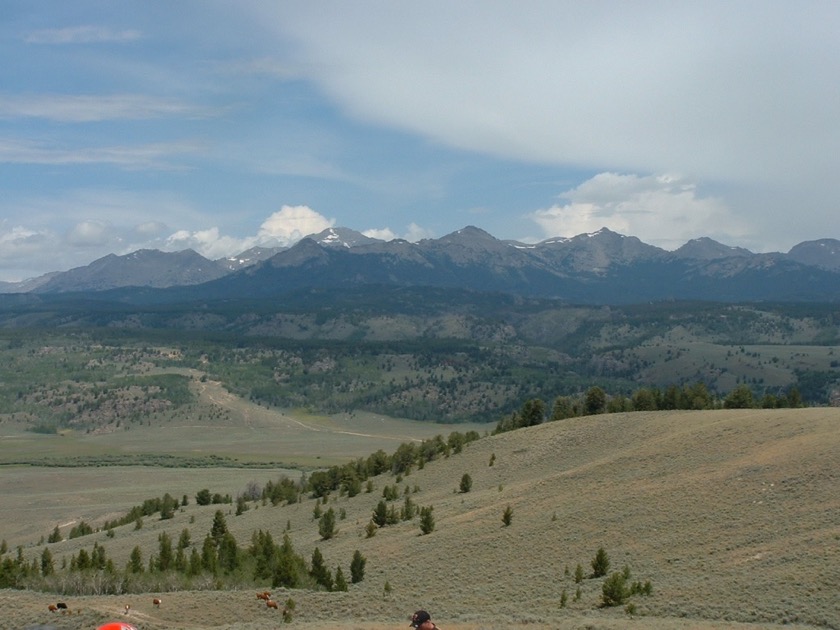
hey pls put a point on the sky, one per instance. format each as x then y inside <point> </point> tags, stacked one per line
<point>220,126</point>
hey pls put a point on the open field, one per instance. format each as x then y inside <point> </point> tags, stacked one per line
<point>733,516</point>
<point>222,425</point>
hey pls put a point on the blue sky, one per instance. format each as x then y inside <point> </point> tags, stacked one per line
<point>223,125</point>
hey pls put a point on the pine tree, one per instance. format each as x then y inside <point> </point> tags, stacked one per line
<point>357,567</point>
<point>614,591</point>
<point>47,564</point>
<point>340,582</point>
<point>319,571</point>
<point>466,483</point>
<point>208,555</point>
<point>194,567</point>
<point>228,554</point>
<point>326,526</point>
<point>427,520</point>
<point>380,514</point>
<point>507,516</point>
<point>165,556</point>
<point>600,563</point>
<point>54,537</point>
<point>135,561</point>
<point>219,528</point>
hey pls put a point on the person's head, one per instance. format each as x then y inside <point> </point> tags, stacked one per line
<point>419,618</point>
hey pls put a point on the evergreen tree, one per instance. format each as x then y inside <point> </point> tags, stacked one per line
<point>408,510</point>
<point>184,540</point>
<point>326,526</point>
<point>208,555</point>
<point>595,401</point>
<point>466,483</point>
<point>228,554</point>
<point>319,571</point>
<point>507,516</point>
<point>54,537</point>
<point>135,561</point>
<point>614,590</point>
<point>165,556</point>
<point>219,528</point>
<point>47,564</point>
<point>194,568</point>
<point>180,560</point>
<point>340,582</point>
<point>739,398</point>
<point>380,514</point>
<point>357,567</point>
<point>427,520</point>
<point>167,507</point>
<point>562,408</point>
<point>600,563</point>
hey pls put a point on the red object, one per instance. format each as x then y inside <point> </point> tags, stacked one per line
<point>117,625</point>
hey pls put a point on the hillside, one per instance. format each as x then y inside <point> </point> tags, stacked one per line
<point>731,515</point>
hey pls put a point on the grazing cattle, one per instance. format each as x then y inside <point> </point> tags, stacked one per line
<point>270,603</point>
<point>61,605</point>
<point>265,596</point>
<point>52,607</point>
<point>156,602</point>
<point>127,608</point>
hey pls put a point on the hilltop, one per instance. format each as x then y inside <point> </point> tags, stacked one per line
<point>731,515</point>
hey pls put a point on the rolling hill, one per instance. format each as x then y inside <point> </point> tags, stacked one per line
<point>731,515</point>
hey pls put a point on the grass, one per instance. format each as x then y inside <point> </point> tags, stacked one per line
<point>731,515</point>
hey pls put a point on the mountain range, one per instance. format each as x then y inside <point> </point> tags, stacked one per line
<point>601,267</point>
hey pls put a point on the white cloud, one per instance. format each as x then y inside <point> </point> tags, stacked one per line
<point>146,156</point>
<point>290,224</point>
<point>734,92</point>
<point>86,34</point>
<point>282,229</point>
<point>91,234</point>
<point>413,233</point>
<point>383,234</point>
<point>663,210</point>
<point>96,107</point>
<point>18,242</point>
<point>150,229</point>
<point>209,243</point>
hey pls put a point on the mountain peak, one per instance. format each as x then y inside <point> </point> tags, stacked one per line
<point>341,237</point>
<point>823,253</point>
<point>705,248</point>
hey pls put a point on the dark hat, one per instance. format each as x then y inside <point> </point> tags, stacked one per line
<point>419,617</point>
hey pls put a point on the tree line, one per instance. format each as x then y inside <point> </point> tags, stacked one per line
<point>595,400</point>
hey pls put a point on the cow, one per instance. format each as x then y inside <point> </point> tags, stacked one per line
<point>127,608</point>
<point>265,596</point>
<point>52,607</point>
<point>156,601</point>
<point>270,603</point>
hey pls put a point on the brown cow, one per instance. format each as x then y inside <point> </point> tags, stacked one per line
<point>270,603</point>
<point>156,601</point>
<point>127,608</point>
<point>265,596</point>
<point>52,607</point>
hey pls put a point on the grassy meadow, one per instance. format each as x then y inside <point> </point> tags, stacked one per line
<point>733,516</point>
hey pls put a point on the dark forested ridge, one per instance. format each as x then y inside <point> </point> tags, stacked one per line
<point>430,354</point>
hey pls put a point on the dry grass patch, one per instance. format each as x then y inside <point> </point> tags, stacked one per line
<point>731,515</point>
